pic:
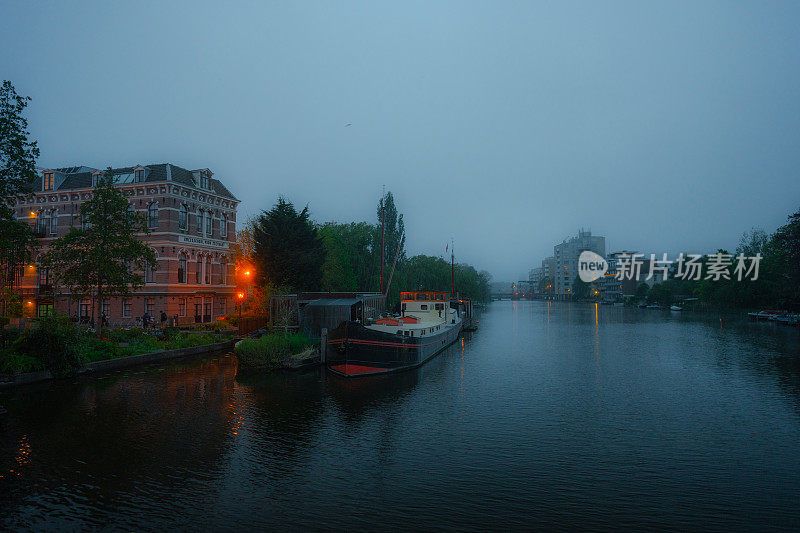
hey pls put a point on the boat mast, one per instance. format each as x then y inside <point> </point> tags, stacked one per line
<point>452,272</point>
<point>383,225</point>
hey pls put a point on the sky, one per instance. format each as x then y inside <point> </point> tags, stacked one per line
<point>505,126</point>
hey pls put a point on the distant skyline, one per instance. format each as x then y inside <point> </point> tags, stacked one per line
<point>505,126</point>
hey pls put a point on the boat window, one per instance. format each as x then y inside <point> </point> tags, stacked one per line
<point>423,307</point>
<point>399,331</point>
<point>405,333</point>
<point>439,307</point>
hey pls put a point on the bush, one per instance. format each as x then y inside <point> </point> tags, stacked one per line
<point>55,343</point>
<point>11,362</point>
<point>271,349</point>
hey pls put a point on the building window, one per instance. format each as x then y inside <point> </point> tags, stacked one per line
<point>54,222</point>
<point>48,182</point>
<point>84,310</point>
<point>203,180</point>
<point>223,228</point>
<point>44,277</point>
<point>85,224</point>
<point>126,308</point>
<point>148,306</point>
<point>181,306</point>
<point>138,175</point>
<point>208,222</point>
<point>152,215</point>
<point>105,309</point>
<point>200,221</point>
<point>43,310</point>
<point>221,307</point>
<point>42,224</point>
<point>208,271</point>
<point>183,217</point>
<point>198,275</point>
<point>131,214</point>
<point>148,273</point>
<point>207,314</point>
<point>182,269</point>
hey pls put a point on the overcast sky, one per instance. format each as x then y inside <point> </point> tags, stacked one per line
<point>663,126</point>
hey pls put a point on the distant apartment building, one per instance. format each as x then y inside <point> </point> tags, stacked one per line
<point>649,273</point>
<point>565,257</point>
<point>548,267</point>
<point>534,277</point>
<point>192,221</point>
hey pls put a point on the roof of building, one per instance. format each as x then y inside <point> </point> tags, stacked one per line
<point>80,177</point>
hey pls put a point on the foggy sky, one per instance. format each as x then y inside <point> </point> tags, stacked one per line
<point>664,126</point>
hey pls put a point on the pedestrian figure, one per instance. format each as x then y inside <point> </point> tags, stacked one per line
<point>163,319</point>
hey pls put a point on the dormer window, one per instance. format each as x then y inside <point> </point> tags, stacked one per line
<point>138,175</point>
<point>203,180</point>
<point>47,182</point>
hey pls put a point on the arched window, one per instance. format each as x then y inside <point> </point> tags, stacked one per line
<point>223,229</point>
<point>41,224</point>
<point>54,222</point>
<point>152,215</point>
<point>183,217</point>
<point>148,273</point>
<point>200,221</point>
<point>208,222</point>
<point>199,273</point>
<point>208,270</point>
<point>182,268</point>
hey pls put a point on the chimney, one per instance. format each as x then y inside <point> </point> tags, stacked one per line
<point>169,172</point>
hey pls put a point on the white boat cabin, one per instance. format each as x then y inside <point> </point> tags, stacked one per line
<point>423,313</point>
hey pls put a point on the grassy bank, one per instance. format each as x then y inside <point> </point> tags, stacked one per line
<point>58,345</point>
<point>272,350</point>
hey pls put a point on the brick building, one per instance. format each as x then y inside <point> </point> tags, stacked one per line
<point>192,222</point>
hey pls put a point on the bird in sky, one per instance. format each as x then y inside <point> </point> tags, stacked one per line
<point>348,124</point>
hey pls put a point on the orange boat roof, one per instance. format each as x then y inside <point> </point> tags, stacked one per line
<point>423,296</point>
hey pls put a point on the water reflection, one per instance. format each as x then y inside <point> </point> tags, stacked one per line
<point>555,414</point>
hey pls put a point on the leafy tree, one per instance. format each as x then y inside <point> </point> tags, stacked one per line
<point>337,271</point>
<point>102,259</point>
<point>17,172</point>
<point>784,255</point>
<point>580,289</point>
<point>393,232</point>
<point>287,249</point>
<point>660,294</point>
<point>17,154</point>
<point>641,292</point>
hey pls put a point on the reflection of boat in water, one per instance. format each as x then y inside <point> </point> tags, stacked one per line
<point>675,308</point>
<point>428,323</point>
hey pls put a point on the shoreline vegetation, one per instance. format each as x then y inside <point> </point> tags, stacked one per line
<point>275,350</point>
<point>63,348</point>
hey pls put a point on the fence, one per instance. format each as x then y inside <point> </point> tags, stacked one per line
<point>249,324</point>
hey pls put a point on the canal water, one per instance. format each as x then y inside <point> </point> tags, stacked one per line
<point>554,416</point>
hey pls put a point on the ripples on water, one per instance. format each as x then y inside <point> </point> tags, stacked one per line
<point>551,416</point>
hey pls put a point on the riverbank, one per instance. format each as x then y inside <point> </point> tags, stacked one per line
<point>108,365</point>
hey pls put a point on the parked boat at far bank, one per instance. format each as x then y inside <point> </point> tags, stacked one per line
<point>428,323</point>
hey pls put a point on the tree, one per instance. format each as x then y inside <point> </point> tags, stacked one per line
<point>337,271</point>
<point>287,249</point>
<point>393,231</point>
<point>105,258</point>
<point>17,172</point>
<point>641,292</point>
<point>17,154</point>
<point>784,258</point>
<point>580,289</point>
